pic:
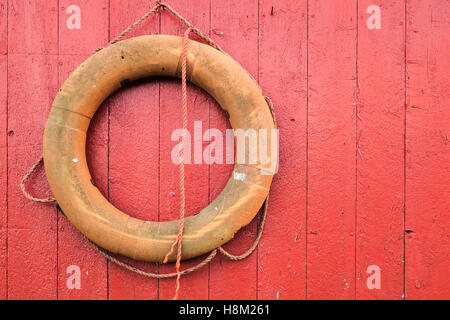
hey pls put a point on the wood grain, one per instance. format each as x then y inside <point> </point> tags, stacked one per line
<point>32,252</point>
<point>134,153</point>
<point>282,75</point>
<point>74,47</point>
<point>234,26</point>
<point>331,150</point>
<point>427,151</point>
<point>380,139</point>
<point>364,157</point>
<point>32,84</point>
<point>3,148</point>
<point>3,177</point>
<point>194,286</point>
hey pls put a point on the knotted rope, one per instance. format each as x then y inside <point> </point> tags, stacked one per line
<point>179,237</point>
<point>181,164</point>
<point>27,177</point>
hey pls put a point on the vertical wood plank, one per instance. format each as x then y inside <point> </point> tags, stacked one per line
<point>32,85</point>
<point>94,26</point>
<point>380,143</point>
<point>3,27</point>
<point>234,26</point>
<point>3,177</point>
<point>3,148</point>
<point>282,75</point>
<point>75,45</point>
<point>428,150</point>
<point>33,26</point>
<point>331,150</point>
<point>32,253</point>
<point>134,152</point>
<point>194,286</point>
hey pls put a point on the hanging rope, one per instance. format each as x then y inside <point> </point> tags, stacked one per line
<point>181,164</point>
<point>157,8</point>
<point>27,177</point>
<point>179,237</point>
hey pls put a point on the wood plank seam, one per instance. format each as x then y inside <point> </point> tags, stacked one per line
<point>307,151</point>
<point>357,95</point>
<point>7,147</point>
<point>405,75</point>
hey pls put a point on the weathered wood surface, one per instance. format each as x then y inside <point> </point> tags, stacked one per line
<point>364,116</point>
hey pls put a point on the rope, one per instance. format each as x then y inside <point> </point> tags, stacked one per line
<point>203,263</point>
<point>156,8</point>
<point>135,24</point>
<point>26,178</point>
<point>255,242</point>
<point>181,164</point>
<point>178,240</point>
<point>150,274</point>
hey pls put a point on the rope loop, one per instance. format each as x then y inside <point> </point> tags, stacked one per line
<point>27,177</point>
<point>196,267</point>
<point>255,242</point>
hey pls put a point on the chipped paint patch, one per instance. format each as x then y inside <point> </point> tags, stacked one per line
<point>239,176</point>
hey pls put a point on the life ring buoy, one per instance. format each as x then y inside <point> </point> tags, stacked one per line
<point>65,140</point>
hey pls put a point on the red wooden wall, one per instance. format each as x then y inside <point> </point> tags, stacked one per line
<point>364,116</point>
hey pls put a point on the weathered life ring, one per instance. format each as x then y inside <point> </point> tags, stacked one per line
<point>65,139</point>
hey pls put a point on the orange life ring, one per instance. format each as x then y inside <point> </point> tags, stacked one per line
<point>65,139</point>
